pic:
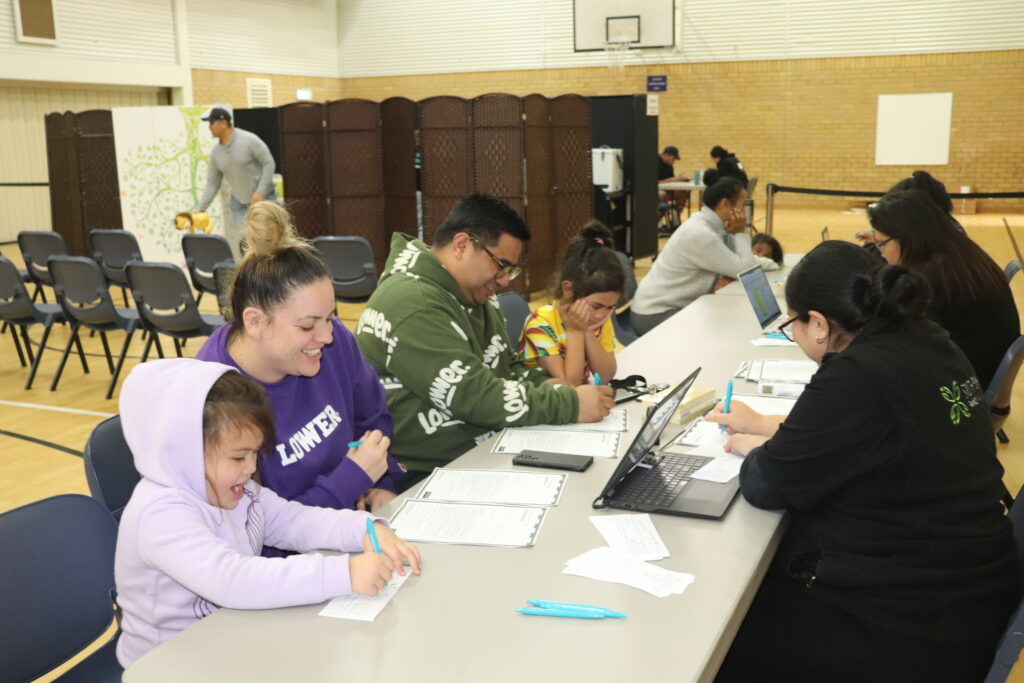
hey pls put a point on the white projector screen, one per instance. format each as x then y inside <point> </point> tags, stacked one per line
<point>913,129</point>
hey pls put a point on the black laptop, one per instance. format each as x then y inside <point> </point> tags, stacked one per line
<point>646,481</point>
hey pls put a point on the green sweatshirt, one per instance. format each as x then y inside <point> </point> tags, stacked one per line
<point>448,369</point>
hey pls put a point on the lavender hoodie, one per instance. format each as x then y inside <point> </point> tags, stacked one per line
<point>180,558</point>
<point>315,418</point>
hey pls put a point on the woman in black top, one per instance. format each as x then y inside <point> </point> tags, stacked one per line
<point>898,563</point>
<point>970,295</point>
<point>728,165</point>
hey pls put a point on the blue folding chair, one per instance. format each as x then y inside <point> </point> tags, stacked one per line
<point>110,466</point>
<point>57,589</point>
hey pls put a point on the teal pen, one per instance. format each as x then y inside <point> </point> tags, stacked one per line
<point>373,535</point>
<point>728,400</point>
<point>571,613</point>
<point>355,444</point>
<point>573,606</point>
<point>597,380</point>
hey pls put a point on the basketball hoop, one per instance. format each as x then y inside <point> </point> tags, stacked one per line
<point>617,53</point>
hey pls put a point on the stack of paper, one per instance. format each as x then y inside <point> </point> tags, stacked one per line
<point>364,607</point>
<point>596,444</point>
<point>605,564</point>
<point>632,535</point>
<point>615,421</point>
<point>469,524</point>
<point>493,486</point>
<point>796,371</point>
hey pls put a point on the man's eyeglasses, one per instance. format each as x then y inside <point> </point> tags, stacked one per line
<point>511,270</point>
<point>786,330</point>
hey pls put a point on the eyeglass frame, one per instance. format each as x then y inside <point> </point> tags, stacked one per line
<point>510,270</point>
<point>788,334</point>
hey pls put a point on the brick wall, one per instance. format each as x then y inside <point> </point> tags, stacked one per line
<point>806,123</point>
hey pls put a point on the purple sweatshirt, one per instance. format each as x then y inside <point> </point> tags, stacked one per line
<point>180,558</point>
<point>316,418</point>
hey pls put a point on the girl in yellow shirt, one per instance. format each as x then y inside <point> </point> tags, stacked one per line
<point>572,337</point>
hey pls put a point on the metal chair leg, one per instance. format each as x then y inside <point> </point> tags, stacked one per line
<point>120,364</point>
<point>28,344</point>
<point>145,349</point>
<point>64,357</point>
<point>106,350</point>
<point>159,346</point>
<point>17,344</point>
<point>1003,438</point>
<point>81,353</point>
<point>39,357</point>
<point>177,346</point>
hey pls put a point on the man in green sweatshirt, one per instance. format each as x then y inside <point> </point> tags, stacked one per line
<point>436,336</point>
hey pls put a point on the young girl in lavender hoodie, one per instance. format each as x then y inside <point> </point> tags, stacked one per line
<point>190,538</point>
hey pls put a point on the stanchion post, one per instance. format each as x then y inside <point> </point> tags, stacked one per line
<point>769,208</point>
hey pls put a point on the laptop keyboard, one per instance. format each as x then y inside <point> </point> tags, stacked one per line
<point>658,486</point>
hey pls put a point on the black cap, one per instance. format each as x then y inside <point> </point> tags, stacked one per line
<point>218,114</point>
<point>670,150</point>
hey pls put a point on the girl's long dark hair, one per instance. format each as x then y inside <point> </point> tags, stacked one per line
<point>957,269</point>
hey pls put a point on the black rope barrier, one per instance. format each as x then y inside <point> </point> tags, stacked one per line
<point>772,189</point>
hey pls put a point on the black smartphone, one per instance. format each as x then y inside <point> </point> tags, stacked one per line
<point>558,461</point>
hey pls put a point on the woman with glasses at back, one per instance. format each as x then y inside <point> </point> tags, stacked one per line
<point>970,295</point>
<point>898,563</point>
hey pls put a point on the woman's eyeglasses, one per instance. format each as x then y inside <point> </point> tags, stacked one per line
<point>786,330</point>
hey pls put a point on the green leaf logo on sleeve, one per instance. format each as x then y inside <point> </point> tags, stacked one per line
<point>959,408</point>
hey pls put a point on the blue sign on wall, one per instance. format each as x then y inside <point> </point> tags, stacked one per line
<point>657,83</point>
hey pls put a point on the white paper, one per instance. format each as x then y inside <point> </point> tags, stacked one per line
<point>597,444</point>
<point>767,405</point>
<point>797,371</point>
<point>467,523</point>
<point>364,607</point>
<point>632,535</point>
<point>702,433</point>
<point>772,341</point>
<point>754,368</point>
<point>606,564</point>
<point>722,469</point>
<point>493,486</point>
<point>615,421</point>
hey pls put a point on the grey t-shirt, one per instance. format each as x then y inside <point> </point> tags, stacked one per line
<point>247,164</point>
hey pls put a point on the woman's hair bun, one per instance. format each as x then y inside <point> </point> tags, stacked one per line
<point>898,295</point>
<point>269,229</point>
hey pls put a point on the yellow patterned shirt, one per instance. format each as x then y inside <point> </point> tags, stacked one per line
<point>544,335</point>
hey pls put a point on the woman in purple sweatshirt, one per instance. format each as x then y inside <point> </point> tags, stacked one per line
<point>190,538</point>
<point>323,392</point>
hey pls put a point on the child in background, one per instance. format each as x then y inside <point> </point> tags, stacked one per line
<point>572,337</point>
<point>191,535</point>
<point>763,244</point>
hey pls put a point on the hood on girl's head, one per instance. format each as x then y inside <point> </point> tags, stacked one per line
<point>161,407</point>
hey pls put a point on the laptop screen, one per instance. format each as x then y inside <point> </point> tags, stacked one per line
<point>648,435</point>
<point>759,292</point>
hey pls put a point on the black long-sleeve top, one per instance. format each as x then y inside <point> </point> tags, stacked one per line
<point>984,328</point>
<point>887,467</point>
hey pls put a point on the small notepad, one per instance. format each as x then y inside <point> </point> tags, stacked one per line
<point>364,607</point>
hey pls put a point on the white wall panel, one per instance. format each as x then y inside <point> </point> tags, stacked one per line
<point>394,37</point>
<point>23,154</point>
<point>128,30</point>
<point>265,36</point>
